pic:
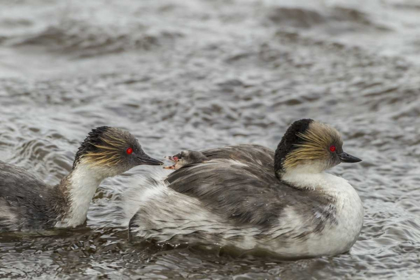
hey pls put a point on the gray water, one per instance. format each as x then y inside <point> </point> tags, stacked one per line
<point>201,74</point>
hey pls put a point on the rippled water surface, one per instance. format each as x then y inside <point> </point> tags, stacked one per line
<point>201,74</point>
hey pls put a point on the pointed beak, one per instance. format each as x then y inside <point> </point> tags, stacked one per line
<point>345,157</point>
<point>144,159</point>
<point>172,158</point>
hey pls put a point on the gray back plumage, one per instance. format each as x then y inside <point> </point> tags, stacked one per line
<point>28,200</point>
<point>245,153</point>
<point>245,192</point>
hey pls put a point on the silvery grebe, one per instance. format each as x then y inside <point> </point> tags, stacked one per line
<point>26,203</point>
<point>253,198</point>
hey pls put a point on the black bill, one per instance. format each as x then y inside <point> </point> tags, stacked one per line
<point>345,157</point>
<point>146,160</point>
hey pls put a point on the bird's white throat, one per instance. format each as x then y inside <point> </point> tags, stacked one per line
<point>80,187</point>
<point>310,175</point>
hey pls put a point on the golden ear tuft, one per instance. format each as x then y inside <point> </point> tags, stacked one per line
<point>108,153</point>
<point>316,140</point>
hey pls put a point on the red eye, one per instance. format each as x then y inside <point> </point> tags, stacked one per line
<point>332,148</point>
<point>129,151</point>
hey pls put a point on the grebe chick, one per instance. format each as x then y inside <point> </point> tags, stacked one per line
<point>185,158</point>
<point>287,205</point>
<point>26,203</point>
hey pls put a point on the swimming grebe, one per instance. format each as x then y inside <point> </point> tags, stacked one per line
<point>250,197</point>
<point>26,203</point>
<point>185,158</point>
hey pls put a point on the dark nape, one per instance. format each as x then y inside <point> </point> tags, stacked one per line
<point>287,143</point>
<point>88,145</point>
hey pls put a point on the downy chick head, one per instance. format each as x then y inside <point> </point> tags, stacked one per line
<point>185,158</point>
<point>312,144</point>
<point>110,151</point>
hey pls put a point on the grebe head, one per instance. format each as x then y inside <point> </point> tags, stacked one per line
<point>310,145</point>
<point>185,158</point>
<point>111,151</point>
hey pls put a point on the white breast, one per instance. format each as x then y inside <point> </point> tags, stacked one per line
<point>340,237</point>
<point>337,237</point>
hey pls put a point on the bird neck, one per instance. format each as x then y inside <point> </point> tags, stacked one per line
<point>78,189</point>
<point>309,175</point>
